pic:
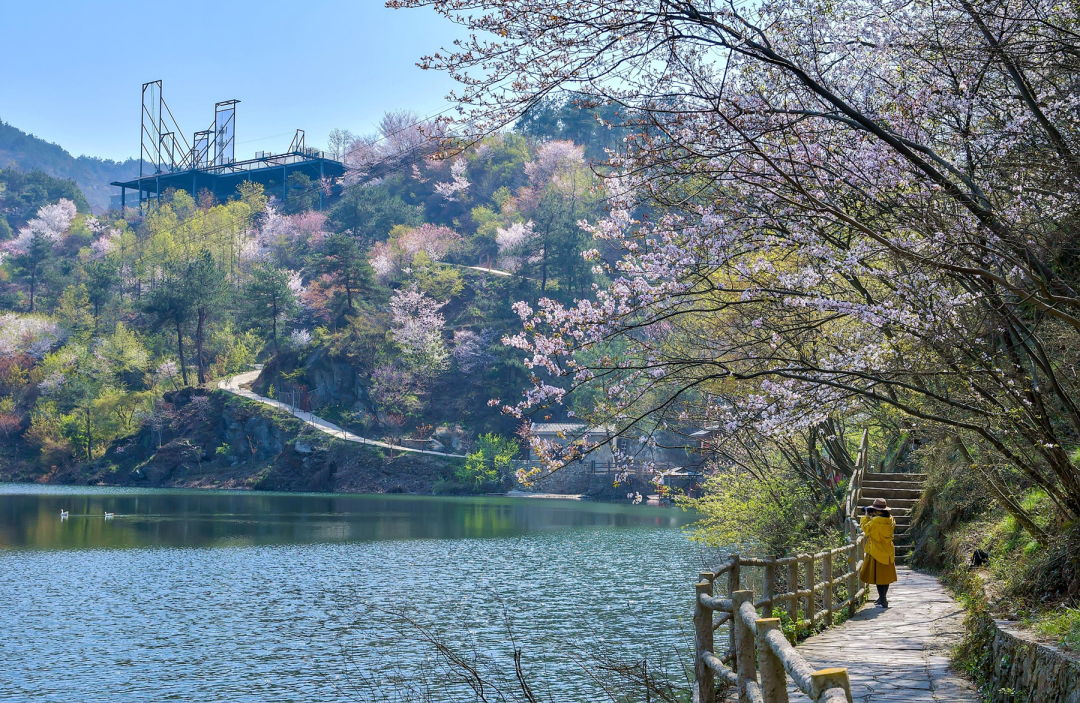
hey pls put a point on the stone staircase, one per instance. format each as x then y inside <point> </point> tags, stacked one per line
<point>901,492</point>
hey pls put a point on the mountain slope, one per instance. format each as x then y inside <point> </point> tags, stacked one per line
<point>26,152</point>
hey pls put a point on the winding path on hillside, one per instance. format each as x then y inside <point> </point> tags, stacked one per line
<point>899,654</point>
<point>234,383</point>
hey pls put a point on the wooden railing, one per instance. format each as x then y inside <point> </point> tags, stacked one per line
<point>759,658</point>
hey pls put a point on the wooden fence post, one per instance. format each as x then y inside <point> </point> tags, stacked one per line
<point>770,588</point>
<point>852,582</point>
<point>733,585</point>
<point>826,568</point>
<point>824,679</point>
<point>703,642</point>
<point>745,646</point>
<point>773,676</point>
<point>808,572</point>
<point>793,586</point>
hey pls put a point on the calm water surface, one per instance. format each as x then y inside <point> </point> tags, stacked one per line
<point>235,596</point>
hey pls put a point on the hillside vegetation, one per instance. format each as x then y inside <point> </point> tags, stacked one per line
<point>385,312</point>
<point>27,153</point>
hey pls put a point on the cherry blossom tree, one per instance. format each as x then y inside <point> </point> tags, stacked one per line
<point>555,162</point>
<point>853,207</point>
<point>51,223</point>
<point>391,257</point>
<point>402,137</point>
<point>471,350</point>
<point>418,328</point>
<point>517,245</point>
<point>106,243</point>
<point>33,247</point>
<point>455,188</point>
<point>30,335</point>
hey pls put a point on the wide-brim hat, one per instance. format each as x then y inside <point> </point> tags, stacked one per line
<point>880,504</point>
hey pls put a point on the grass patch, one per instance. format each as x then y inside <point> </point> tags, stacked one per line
<point>1062,626</point>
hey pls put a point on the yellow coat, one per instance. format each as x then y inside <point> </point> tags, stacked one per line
<point>879,538</point>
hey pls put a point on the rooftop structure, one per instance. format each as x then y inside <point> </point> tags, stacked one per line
<point>167,160</point>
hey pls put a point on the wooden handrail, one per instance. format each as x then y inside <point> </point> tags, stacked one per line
<point>762,656</point>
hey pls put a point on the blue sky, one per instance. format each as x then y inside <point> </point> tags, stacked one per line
<point>72,71</point>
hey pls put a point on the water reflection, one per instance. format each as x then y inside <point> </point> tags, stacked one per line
<point>266,598</point>
<point>30,517</point>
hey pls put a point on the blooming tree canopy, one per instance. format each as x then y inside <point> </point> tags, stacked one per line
<point>51,223</point>
<point>418,328</point>
<point>33,335</point>
<point>391,257</point>
<point>852,207</point>
<point>458,185</point>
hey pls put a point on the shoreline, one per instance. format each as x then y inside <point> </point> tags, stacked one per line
<point>515,493</point>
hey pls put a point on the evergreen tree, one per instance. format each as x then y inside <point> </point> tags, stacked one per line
<point>370,213</point>
<point>342,257</point>
<point>204,284</point>
<point>33,264</point>
<point>170,305</point>
<point>269,298</point>
<point>102,276</point>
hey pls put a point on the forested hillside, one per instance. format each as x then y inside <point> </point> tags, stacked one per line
<point>25,152</point>
<point>385,312</point>
<point>22,194</point>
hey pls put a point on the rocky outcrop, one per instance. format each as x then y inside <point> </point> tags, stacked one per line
<point>212,439</point>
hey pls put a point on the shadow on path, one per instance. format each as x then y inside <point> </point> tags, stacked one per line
<point>900,653</point>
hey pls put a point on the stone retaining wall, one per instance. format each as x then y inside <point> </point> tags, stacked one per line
<point>1025,670</point>
<point>570,479</point>
<point>579,478</point>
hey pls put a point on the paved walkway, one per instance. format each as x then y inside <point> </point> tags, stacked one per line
<point>898,654</point>
<point>232,385</point>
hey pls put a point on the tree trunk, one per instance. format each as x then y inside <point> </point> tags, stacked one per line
<point>543,270</point>
<point>180,349</point>
<point>89,437</point>
<point>273,324</point>
<point>198,347</point>
<point>33,282</point>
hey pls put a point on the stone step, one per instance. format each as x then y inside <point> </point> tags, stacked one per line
<point>908,478</point>
<point>890,485</point>
<point>900,478</point>
<point>891,494</point>
<point>893,502</point>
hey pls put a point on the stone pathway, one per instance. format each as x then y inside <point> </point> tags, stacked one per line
<point>232,385</point>
<point>900,654</point>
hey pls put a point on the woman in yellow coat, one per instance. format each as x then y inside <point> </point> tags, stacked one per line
<point>879,562</point>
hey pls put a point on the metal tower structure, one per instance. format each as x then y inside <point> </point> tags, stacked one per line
<point>168,161</point>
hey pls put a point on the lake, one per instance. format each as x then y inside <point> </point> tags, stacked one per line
<point>239,596</point>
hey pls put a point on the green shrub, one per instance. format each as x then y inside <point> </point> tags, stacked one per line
<point>446,487</point>
<point>489,465</point>
<point>774,515</point>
